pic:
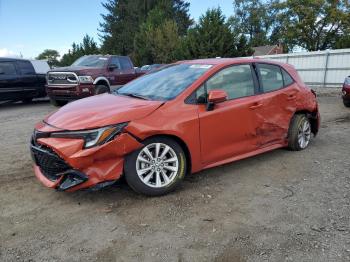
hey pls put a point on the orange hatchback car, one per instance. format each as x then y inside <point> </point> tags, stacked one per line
<point>187,117</point>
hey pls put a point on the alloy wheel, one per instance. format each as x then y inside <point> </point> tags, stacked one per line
<point>157,165</point>
<point>304,134</point>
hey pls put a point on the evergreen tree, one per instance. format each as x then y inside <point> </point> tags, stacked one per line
<point>125,20</point>
<point>87,47</point>
<point>213,37</point>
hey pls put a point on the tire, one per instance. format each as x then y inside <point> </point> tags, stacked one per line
<point>101,89</point>
<point>57,103</point>
<point>171,173</point>
<point>299,135</point>
<point>346,103</point>
<point>27,100</point>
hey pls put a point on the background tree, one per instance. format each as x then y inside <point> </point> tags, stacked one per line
<point>212,37</point>
<point>255,19</point>
<point>87,47</point>
<point>125,19</point>
<point>51,56</point>
<point>313,24</point>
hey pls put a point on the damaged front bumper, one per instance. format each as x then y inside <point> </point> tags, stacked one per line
<point>63,164</point>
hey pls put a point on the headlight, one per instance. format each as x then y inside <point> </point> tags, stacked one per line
<point>93,137</point>
<point>86,79</point>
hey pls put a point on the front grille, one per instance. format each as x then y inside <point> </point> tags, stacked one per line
<point>61,78</point>
<point>50,164</point>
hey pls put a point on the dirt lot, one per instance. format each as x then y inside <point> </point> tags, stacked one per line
<point>279,206</point>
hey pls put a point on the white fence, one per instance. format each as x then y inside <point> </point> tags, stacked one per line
<point>321,68</point>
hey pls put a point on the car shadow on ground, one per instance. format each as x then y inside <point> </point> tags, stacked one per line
<point>192,183</point>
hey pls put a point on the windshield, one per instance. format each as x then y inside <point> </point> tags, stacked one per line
<point>165,84</point>
<point>91,61</point>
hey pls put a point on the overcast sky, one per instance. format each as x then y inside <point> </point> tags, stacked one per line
<point>28,27</point>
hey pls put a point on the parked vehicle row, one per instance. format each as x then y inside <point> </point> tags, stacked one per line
<point>89,75</point>
<point>22,80</point>
<point>182,119</point>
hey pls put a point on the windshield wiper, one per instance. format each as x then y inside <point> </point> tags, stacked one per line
<point>134,95</point>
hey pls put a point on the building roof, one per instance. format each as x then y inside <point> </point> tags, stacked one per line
<point>263,50</point>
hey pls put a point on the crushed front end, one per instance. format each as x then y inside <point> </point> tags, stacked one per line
<point>65,164</point>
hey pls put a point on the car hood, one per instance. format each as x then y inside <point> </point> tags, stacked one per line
<point>99,111</point>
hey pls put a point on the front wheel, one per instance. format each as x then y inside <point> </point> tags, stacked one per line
<point>299,135</point>
<point>157,168</point>
<point>101,89</point>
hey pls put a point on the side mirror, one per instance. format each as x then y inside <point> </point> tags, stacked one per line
<point>111,67</point>
<point>215,97</point>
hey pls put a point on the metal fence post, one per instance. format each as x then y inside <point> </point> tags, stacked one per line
<point>325,69</point>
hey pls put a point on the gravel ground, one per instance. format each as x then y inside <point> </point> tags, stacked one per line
<point>278,206</point>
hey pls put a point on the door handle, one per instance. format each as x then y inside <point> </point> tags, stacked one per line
<point>291,97</point>
<point>255,106</point>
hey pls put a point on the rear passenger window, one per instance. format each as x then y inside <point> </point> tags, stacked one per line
<point>271,77</point>
<point>26,68</point>
<point>125,63</point>
<point>288,80</point>
<point>7,68</point>
<point>237,81</point>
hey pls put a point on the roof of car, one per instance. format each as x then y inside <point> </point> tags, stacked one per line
<point>12,59</point>
<point>224,61</point>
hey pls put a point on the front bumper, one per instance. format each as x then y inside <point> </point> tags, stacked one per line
<point>70,93</point>
<point>63,164</point>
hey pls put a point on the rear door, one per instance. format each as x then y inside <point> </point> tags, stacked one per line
<point>115,74</point>
<point>278,95</point>
<point>229,130</point>
<point>10,88</point>
<point>128,71</point>
<point>29,79</point>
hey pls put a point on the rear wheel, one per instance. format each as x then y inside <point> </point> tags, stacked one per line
<point>157,168</point>
<point>346,103</point>
<point>101,89</point>
<point>299,135</point>
<point>57,102</point>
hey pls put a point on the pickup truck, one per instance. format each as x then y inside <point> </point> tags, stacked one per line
<point>22,80</point>
<point>89,75</point>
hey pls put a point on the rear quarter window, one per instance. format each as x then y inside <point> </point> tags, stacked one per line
<point>26,68</point>
<point>288,80</point>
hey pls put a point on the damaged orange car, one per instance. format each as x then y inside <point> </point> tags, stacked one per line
<point>182,119</point>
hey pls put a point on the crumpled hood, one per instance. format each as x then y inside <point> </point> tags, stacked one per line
<point>99,111</point>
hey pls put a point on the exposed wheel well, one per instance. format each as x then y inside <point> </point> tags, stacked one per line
<point>104,83</point>
<point>184,148</point>
<point>312,116</point>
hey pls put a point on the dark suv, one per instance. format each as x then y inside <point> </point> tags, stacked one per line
<point>88,76</point>
<point>22,80</point>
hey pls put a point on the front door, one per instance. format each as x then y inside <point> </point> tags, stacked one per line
<point>10,88</point>
<point>229,129</point>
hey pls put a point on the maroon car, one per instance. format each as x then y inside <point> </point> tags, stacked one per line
<point>88,76</point>
<point>346,92</point>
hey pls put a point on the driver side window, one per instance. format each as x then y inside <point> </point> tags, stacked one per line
<point>236,80</point>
